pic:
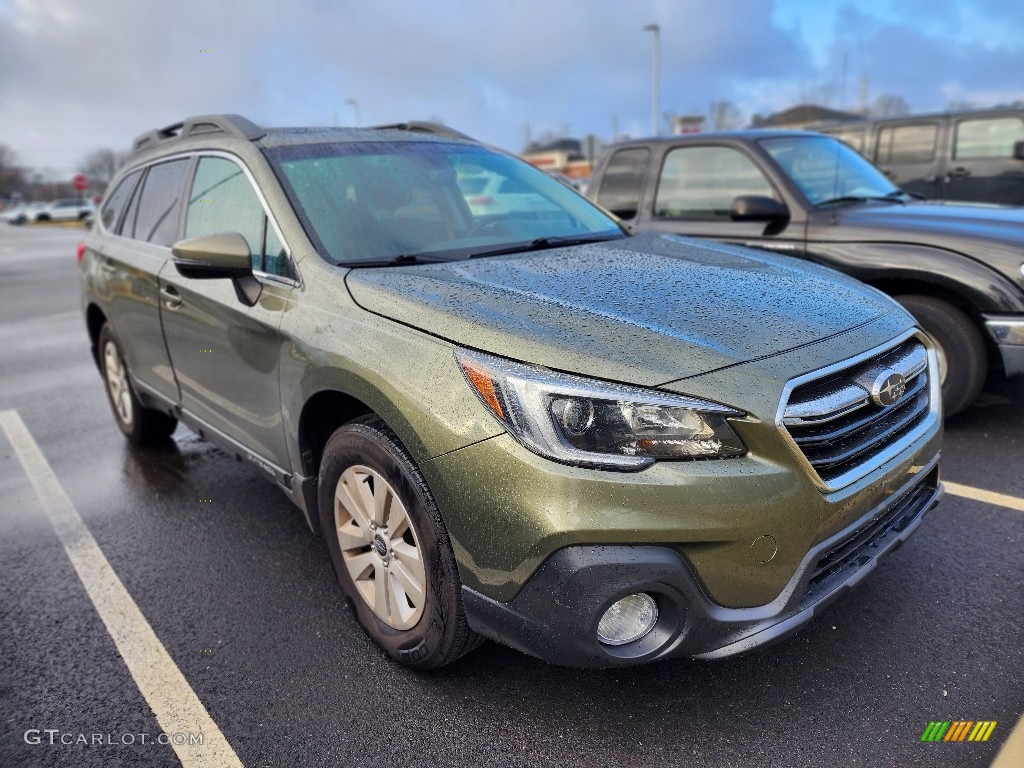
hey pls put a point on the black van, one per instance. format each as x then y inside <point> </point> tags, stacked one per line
<point>975,156</point>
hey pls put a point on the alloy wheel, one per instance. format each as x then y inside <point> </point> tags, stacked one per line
<point>379,547</point>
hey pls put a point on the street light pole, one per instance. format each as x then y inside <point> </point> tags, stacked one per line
<point>354,103</point>
<point>655,121</point>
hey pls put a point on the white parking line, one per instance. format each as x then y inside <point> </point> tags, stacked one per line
<point>176,706</point>
<point>989,497</point>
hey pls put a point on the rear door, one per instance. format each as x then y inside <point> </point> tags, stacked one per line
<point>226,354</point>
<point>621,184</point>
<point>909,152</point>
<point>143,214</point>
<point>982,167</point>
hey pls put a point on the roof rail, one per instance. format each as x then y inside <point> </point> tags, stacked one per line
<point>424,126</point>
<point>230,125</point>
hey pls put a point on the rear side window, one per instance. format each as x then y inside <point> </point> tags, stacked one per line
<point>622,180</point>
<point>906,144</point>
<point>110,214</point>
<point>988,137</point>
<point>702,182</point>
<point>160,204</point>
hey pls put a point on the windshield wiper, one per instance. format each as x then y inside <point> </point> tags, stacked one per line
<point>542,243</point>
<point>897,196</point>
<point>396,261</point>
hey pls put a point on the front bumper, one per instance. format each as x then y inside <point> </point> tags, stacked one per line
<point>1008,334</point>
<point>555,615</point>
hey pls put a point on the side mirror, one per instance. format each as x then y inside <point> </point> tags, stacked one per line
<point>224,255</point>
<point>1018,150</point>
<point>758,208</point>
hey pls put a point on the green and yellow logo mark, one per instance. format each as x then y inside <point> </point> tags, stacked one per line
<point>958,730</point>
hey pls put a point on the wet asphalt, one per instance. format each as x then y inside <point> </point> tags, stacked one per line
<point>243,598</point>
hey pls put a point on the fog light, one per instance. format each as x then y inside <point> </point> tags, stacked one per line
<point>628,620</point>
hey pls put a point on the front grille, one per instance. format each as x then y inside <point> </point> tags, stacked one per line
<point>860,547</point>
<point>843,422</point>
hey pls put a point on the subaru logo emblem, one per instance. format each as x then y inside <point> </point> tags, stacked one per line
<point>888,388</point>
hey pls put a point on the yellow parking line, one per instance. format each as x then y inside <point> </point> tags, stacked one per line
<point>1012,753</point>
<point>176,706</point>
<point>989,497</point>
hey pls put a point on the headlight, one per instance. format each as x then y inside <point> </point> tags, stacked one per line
<point>592,423</point>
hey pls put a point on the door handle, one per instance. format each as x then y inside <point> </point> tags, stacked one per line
<point>172,299</point>
<point>957,173</point>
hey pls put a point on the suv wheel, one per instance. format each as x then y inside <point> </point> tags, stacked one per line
<point>963,360</point>
<point>389,547</point>
<point>142,426</point>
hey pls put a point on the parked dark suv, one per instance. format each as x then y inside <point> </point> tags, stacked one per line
<point>958,269</point>
<point>975,156</point>
<point>520,421</point>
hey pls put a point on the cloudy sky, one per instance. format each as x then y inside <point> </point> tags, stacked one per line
<point>76,75</point>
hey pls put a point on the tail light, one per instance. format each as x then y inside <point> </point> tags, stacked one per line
<point>79,252</point>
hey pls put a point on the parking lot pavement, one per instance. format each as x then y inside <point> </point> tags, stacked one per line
<point>242,601</point>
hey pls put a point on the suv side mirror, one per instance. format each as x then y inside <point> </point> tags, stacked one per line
<point>224,255</point>
<point>758,208</point>
<point>1018,150</point>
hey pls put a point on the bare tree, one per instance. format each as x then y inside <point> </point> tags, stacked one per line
<point>12,176</point>
<point>724,115</point>
<point>100,165</point>
<point>890,105</point>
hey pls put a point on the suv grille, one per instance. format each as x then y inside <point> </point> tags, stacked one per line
<point>847,422</point>
<point>858,549</point>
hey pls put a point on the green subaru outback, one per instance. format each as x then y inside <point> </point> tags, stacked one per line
<point>510,419</point>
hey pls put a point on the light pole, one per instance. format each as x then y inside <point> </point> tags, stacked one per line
<point>354,103</point>
<point>654,78</point>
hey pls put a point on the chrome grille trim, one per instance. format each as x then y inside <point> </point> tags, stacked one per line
<point>830,421</point>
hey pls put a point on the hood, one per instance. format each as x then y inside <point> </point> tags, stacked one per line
<point>991,234</point>
<point>645,310</point>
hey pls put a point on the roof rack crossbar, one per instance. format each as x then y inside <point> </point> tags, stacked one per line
<point>231,125</point>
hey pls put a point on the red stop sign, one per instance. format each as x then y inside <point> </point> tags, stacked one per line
<point>79,182</point>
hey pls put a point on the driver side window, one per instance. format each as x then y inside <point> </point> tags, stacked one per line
<point>223,200</point>
<point>701,182</point>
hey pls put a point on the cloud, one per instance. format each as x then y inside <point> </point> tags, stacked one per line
<point>77,76</point>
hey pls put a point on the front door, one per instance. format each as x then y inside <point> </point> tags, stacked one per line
<point>697,186</point>
<point>226,354</point>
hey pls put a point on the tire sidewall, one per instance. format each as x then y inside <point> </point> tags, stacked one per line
<point>106,336</point>
<point>358,443</point>
<point>961,344</point>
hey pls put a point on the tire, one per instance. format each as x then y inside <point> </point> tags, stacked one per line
<point>391,553</point>
<point>963,358</point>
<point>141,425</point>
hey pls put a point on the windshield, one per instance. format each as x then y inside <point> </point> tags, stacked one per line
<point>827,170</point>
<point>379,202</point>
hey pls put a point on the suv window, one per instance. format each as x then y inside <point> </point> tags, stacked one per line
<point>160,203</point>
<point>702,182</point>
<point>223,200</point>
<point>906,144</point>
<point>110,215</point>
<point>988,137</point>
<point>852,136</point>
<point>620,185</point>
